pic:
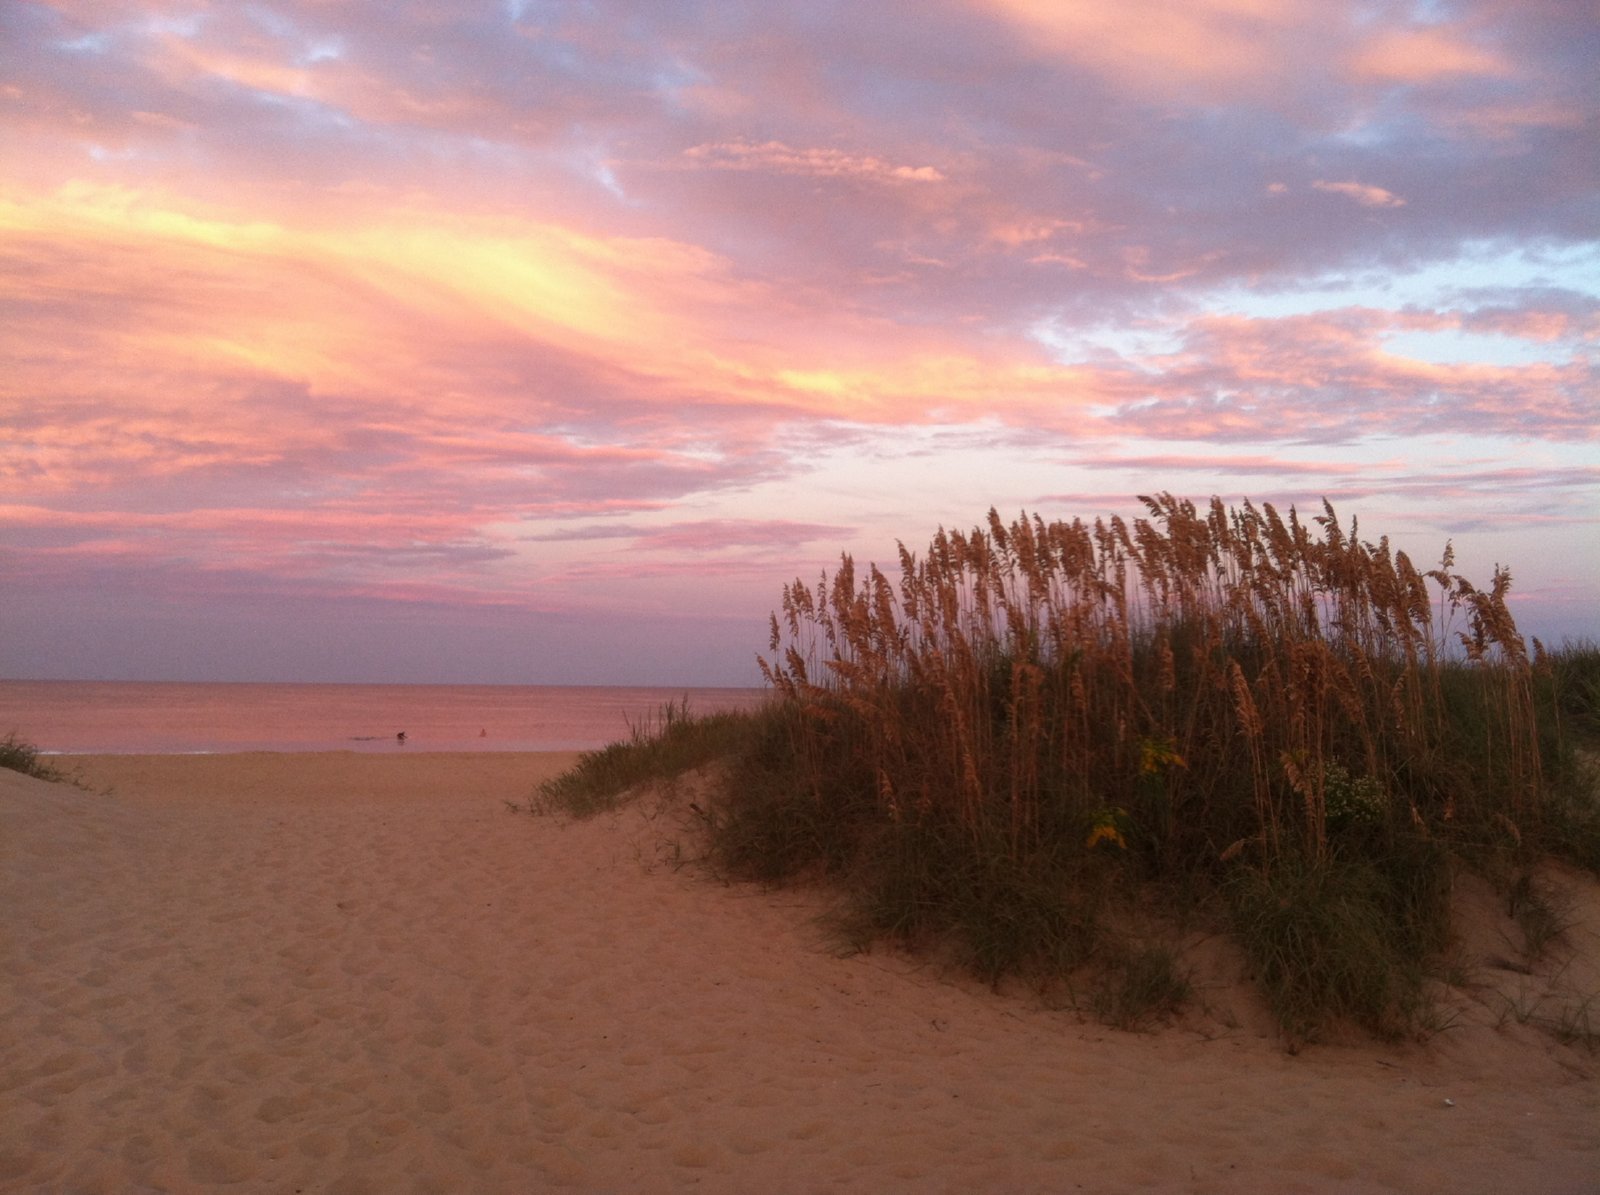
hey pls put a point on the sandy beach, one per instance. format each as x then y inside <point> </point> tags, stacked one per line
<point>344,973</point>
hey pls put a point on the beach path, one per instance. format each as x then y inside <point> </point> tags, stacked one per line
<point>350,973</point>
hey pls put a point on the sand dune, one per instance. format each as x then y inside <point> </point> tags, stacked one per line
<point>344,974</point>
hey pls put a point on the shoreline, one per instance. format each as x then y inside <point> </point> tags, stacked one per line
<point>168,718</point>
<point>345,972</point>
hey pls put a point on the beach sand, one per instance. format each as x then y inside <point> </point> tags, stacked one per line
<point>358,973</point>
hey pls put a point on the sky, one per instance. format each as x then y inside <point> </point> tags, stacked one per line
<point>526,342</point>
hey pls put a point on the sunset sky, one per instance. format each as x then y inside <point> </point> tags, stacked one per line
<point>512,341</point>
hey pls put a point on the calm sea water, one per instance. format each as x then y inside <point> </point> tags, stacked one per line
<point>174,718</point>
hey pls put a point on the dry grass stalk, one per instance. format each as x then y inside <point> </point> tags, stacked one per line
<point>1012,673</point>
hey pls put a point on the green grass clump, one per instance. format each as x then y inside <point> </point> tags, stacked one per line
<point>1040,724</point>
<point>21,756</point>
<point>774,829</point>
<point>934,883</point>
<point>1569,691</point>
<point>1567,697</point>
<point>1342,938</point>
<point>667,746</point>
<point>1140,983</point>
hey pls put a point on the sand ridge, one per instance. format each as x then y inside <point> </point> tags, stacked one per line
<point>353,973</point>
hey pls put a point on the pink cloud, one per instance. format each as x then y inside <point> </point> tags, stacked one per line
<point>716,535</point>
<point>1251,465</point>
<point>1219,45</point>
<point>826,163</point>
<point>1424,55</point>
<point>1330,377</point>
<point>705,535</point>
<point>1362,193</point>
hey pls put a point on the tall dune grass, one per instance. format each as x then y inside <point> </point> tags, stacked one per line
<point>1236,708</point>
<point>1193,683</point>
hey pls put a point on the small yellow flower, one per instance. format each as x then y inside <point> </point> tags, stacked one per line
<point>1107,827</point>
<point>1156,757</point>
<point>1106,832</point>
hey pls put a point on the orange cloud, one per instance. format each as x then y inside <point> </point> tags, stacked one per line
<point>340,308</point>
<point>381,307</point>
<point>1016,232</point>
<point>1366,196</point>
<point>181,59</point>
<point>193,351</point>
<point>1226,45</point>
<point>1423,56</point>
<point>269,67</point>
<point>1502,121</point>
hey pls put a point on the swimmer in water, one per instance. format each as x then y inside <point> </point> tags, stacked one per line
<point>401,738</point>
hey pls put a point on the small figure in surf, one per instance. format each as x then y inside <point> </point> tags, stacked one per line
<point>401,738</point>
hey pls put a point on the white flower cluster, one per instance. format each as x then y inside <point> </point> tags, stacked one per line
<point>1352,800</point>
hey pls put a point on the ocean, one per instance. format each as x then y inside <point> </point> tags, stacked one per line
<point>167,718</point>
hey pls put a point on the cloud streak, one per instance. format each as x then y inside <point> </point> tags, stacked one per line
<point>779,158</point>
